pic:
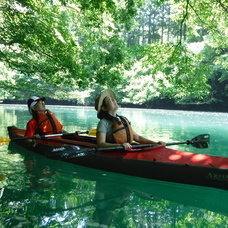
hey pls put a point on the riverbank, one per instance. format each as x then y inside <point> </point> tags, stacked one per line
<point>161,104</point>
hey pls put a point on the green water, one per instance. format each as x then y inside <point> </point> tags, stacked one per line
<point>38,192</point>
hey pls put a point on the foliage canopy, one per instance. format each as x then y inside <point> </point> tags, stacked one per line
<point>65,42</point>
<point>144,49</point>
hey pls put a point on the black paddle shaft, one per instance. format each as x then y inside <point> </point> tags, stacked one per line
<point>200,141</point>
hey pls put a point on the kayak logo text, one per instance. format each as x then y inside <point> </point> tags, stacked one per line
<point>58,149</point>
<point>215,176</point>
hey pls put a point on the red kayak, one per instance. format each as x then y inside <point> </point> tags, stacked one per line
<point>147,161</point>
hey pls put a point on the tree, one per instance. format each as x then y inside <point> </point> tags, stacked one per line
<point>76,44</point>
<point>65,42</point>
<point>185,26</point>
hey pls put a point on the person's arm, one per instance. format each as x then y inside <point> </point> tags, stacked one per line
<point>143,140</point>
<point>30,128</point>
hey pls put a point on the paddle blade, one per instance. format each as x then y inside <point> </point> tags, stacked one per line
<point>201,141</point>
<point>4,141</point>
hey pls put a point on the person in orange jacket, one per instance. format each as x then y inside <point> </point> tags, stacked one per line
<point>43,121</point>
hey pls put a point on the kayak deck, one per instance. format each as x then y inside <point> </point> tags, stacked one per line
<point>156,153</point>
<point>157,162</point>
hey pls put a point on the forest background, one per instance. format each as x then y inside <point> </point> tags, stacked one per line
<point>152,53</point>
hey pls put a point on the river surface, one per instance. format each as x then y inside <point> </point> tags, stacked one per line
<point>38,192</point>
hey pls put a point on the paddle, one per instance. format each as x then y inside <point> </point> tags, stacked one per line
<point>4,141</point>
<point>201,141</point>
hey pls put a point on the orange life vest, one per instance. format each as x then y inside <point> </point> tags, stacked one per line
<point>122,130</point>
<point>48,124</point>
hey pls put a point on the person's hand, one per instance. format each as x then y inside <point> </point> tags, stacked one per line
<point>37,136</point>
<point>162,143</point>
<point>77,133</point>
<point>127,146</point>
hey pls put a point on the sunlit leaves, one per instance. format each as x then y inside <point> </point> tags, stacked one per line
<point>66,43</point>
<point>78,43</point>
<point>180,67</point>
<point>181,58</point>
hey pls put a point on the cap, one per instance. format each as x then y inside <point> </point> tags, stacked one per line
<point>32,101</point>
<point>101,97</point>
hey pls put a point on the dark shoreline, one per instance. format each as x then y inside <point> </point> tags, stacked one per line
<point>157,105</point>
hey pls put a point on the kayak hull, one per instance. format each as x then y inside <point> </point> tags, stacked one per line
<point>158,163</point>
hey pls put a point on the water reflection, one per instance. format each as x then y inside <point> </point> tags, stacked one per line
<point>56,194</point>
<point>108,198</point>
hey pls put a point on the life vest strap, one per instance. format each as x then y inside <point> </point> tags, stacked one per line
<point>127,129</point>
<point>118,129</point>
